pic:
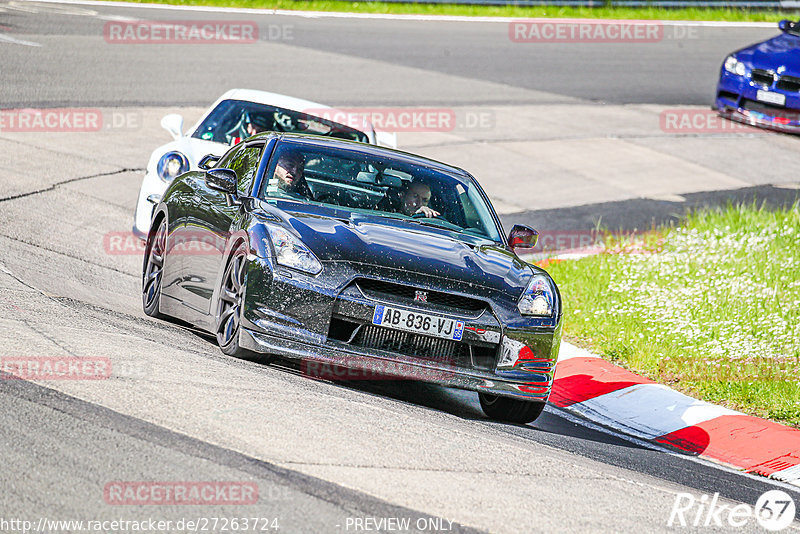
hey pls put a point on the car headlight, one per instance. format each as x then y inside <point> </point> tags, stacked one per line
<point>734,66</point>
<point>539,297</point>
<point>171,165</point>
<point>291,252</point>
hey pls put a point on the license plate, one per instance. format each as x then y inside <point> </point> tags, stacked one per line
<point>771,98</point>
<point>418,322</point>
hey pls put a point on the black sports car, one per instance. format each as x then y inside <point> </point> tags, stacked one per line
<point>360,257</point>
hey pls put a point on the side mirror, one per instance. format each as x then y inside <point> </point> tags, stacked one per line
<point>208,161</point>
<point>785,25</point>
<point>223,180</point>
<point>173,123</point>
<point>522,237</point>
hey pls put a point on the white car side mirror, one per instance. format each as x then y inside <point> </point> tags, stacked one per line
<point>173,123</point>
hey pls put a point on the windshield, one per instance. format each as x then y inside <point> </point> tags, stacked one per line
<point>234,120</point>
<point>378,185</point>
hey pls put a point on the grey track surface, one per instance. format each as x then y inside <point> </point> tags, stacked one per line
<point>342,61</point>
<point>177,409</point>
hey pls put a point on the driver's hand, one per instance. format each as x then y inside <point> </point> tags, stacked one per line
<point>428,212</point>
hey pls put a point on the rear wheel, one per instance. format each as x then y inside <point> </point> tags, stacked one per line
<point>154,268</point>
<point>229,307</point>
<point>511,410</point>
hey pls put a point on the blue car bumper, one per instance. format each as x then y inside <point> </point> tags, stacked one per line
<point>742,99</point>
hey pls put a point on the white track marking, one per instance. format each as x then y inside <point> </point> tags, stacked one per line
<point>29,6</point>
<point>8,39</point>
<point>565,413</point>
<point>648,411</point>
<point>568,350</point>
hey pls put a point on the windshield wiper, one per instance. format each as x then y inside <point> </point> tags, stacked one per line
<point>431,223</point>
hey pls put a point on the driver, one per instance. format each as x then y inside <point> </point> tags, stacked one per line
<point>246,126</point>
<point>289,176</point>
<point>415,199</point>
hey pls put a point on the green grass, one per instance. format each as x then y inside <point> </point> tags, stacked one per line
<point>712,308</point>
<point>496,11</point>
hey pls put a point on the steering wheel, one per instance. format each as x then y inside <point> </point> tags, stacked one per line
<point>421,215</point>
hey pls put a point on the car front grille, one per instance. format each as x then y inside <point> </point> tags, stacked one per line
<point>410,344</point>
<point>445,351</point>
<point>789,83</point>
<point>771,110</point>
<point>763,77</point>
<point>408,296</point>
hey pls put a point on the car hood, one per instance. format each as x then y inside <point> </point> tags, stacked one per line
<point>411,248</point>
<point>773,53</point>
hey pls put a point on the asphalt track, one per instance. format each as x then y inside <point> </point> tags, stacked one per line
<point>324,454</point>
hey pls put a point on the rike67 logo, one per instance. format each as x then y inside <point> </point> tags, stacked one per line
<point>773,511</point>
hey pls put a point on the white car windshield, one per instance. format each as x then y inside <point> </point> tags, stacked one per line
<point>234,120</point>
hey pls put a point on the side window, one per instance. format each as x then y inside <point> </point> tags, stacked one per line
<point>245,164</point>
<point>226,159</point>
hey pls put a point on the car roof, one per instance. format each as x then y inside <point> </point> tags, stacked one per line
<point>373,150</point>
<point>272,99</point>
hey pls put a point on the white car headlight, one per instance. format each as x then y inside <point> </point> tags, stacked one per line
<point>291,252</point>
<point>171,165</point>
<point>539,297</point>
<point>734,66</point>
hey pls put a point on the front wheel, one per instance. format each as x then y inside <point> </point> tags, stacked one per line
<point>153,271</point>
<point>511,410</point>
<point>230,305</point>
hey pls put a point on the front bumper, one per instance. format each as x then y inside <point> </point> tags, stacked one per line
<point>327,321</point>
<point>339,361</point>
<point>737,99</point>
<point>762,120</point>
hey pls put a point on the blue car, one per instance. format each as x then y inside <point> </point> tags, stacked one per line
<point>760,84</point>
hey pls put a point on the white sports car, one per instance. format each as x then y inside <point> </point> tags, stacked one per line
<point>238,114</point>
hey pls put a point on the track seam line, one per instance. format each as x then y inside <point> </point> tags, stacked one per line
<point>69,181</point>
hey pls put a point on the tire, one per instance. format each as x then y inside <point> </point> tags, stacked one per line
<point>229,307</point>
<point>511,410</point>
<point>152,274</point>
